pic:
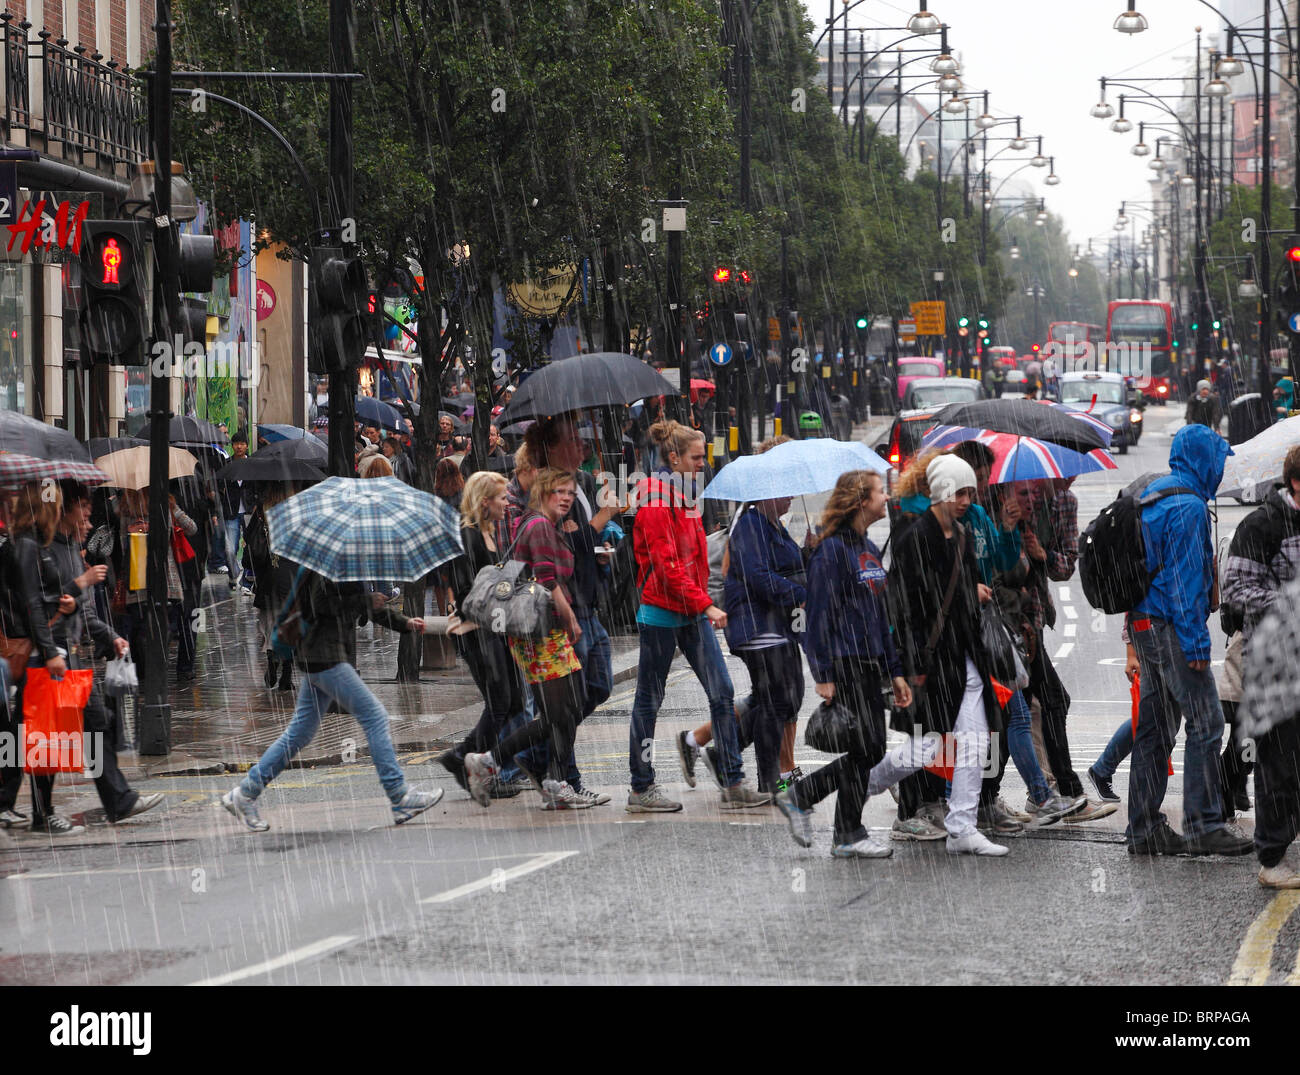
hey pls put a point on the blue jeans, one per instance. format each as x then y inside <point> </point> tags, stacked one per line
<point>341,683</point>
<point>1172,692</point>
<point>597,673</point>
<point>1119,747</point>
<point>1020,745</point>
<point>699,645</point>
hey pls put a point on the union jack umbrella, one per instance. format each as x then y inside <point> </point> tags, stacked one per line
<point>16,470</point>
<point>1082,416</point>
<point>361,529</point>
<point>1018,459</point>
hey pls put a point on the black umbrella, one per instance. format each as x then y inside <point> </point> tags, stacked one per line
<point>306,450</point>
<point>194,433</point>
<point>276,468</point>
<point>459,402</point>
<point>1027,418</point>
<point>103,445</point>
<point>30,436</point>
<point>593,380</point>
<point>373,411</point>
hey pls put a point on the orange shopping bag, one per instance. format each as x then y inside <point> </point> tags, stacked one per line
<point>944,764</point>
<point>52,731</point>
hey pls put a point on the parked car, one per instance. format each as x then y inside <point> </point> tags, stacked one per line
<point>905,435</point>
<point>911,368</point>
<point>1113,406</point>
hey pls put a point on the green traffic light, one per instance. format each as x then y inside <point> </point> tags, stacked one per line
<point>984,322</point>
<point>862,322</point>
<point>1216,326</point>
<point>962,322</point>
<point>1195,326</point>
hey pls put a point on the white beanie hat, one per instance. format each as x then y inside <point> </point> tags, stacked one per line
<point>946,475</point>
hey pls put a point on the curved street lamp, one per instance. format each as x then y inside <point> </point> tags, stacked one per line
<point>1130,21</point>
<point>923,23</point>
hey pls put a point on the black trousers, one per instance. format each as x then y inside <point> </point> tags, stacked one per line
<point>1233,767</point>
<point>115,793</point>
<point>559,704</point>
<point>1277,792</point>
<point>776,676</point>
<point>1054,699</point>
<point>11,776</point>
<point>857,683</point>
<point>916,790</point>
<point>499,681</point>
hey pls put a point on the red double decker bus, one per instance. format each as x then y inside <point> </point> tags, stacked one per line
<point>1077,344</point>
<point>1139,339</point>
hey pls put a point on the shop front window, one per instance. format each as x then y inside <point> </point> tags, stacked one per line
<point>16,386</point>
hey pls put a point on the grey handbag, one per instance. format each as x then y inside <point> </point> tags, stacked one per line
<point>507,600</point>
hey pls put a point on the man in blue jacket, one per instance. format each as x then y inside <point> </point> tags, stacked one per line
<point>1169,633</point>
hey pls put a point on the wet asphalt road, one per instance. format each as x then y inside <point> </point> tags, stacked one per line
<point>335,894</point>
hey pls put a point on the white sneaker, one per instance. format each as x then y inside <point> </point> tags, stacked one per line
<point>801,830</point>
<point>480,770</point>
<point>245,809</point>
<point>1053,808</point>
<point>975,843</point>
<point>869,848</point>
<point>559,795</point>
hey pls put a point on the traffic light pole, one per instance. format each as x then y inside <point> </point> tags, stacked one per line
<point>153,720</point>
<point>343,385</point>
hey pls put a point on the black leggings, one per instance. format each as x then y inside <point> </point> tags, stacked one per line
<point>776,677</point>
<point>559,704</point>
<point>500,683</point>
<point>857,684</point>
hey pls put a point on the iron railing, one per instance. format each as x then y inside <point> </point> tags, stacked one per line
<point>89,112</point>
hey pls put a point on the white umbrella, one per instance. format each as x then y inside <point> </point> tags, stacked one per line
<point>1259,460</point>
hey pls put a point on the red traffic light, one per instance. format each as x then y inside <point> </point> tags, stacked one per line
<point>721,274</point>
<point>1293,254</point>
<point>111,258</point>
<point>1036,348</point>
<point>745,278</point>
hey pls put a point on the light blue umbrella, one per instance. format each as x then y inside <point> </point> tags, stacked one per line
<point>795,468</point>
<point>274,431</point>
<point>359,529</point>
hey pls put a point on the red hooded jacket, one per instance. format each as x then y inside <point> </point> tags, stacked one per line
<point>672,554</point>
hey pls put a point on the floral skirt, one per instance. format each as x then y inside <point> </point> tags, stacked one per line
<point>552,658</point>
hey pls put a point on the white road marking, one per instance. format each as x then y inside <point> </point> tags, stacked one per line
<point>1071,613</point>
<point>1063,652</point>
<point>86,873</point>
<point>548,858</point>
<point>1069,630</point>
<point>307,951</point>
<point>1064,592</point>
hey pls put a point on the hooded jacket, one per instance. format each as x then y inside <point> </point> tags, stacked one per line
<point>672,554</point>
<point>1263,557</point>
<point>1176,530</point>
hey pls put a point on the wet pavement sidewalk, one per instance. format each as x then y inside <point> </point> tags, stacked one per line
<point>227,717</point>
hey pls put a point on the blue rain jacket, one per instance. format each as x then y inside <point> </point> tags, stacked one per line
<point>1177,535</point>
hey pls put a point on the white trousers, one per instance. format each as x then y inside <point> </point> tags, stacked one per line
<point>971,733</point>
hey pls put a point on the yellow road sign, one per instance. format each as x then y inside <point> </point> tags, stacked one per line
<point>929,318</point>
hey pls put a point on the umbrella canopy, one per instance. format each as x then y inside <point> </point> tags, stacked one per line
<point>270,468</point>
<point>516,429</point>
<point>309,450</point>
<point>1028,418</point>
<point>29,436</point>
<point>129,468</point>
<point>698,384</point>
<point>592,380</point>
<point>103,445</point>
<point>1018,459</point>
<point>195,433</point>
<point>17,470</point>
<point>375,412</point>
<point>274,432</point>
<point>795,468</point>
<point>359,529</point>
<point>1259,459</point>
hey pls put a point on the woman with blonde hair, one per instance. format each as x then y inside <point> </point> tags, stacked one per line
<point>852,658</point>
<point>551,665</point>
<point>482,513</point>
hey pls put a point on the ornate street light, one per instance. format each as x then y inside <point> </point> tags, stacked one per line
<point>948,84</point>
<point>1248,289</point>
<point>1038,161</point>
<point>1101,110</point>
<point>1229,66</point>
<point>954,105</point>
<point>1130,22</point>
<point>1121,125</point>
<point>1014,252</point>
<point>984,121</point>
<point>945,65</point>
<point>1019,144</point>
<point>923,23</point>
<point>1141,150</point>
<point>1187,181</point>
<point>1216,88</point>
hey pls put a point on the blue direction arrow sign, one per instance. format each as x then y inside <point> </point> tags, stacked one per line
<point>720,354</point>
<point>1293,322</point>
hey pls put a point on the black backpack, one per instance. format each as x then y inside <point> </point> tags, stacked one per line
<point>1112,552</point>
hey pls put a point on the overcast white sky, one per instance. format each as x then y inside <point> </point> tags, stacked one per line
<point>1042,61</point>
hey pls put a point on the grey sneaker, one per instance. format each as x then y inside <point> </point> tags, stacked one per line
<point>244,808</point>
<point>480,771</point>
<point>1091,811</point>
<point>918,827</point>
<point>1010,811</point>
<point>10,819</point>
<point>141,804</point>
<point>55,825</point>
<point>934,812</point>
<point>651,801</point>
<point>559,795</point>
<point>688,755</point>
<point>997,818</point>
<point>800,819</point>
<point>742,797</point>
<point>872,847</point>
<point>414,803</point>
<point>595,798</point>
<point>1053,808</point>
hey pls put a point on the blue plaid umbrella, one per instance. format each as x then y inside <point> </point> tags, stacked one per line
<point>359,529</point>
